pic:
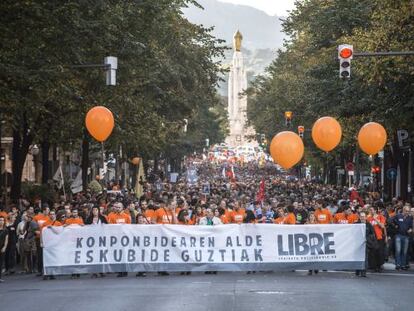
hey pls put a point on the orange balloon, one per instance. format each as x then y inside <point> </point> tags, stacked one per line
<point>100,123</point>
<point>372,138</point>
<point>326,133</point>
<point>135,161</point>
<point>287,149</point>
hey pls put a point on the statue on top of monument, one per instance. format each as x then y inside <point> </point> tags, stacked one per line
<point>237,40</point>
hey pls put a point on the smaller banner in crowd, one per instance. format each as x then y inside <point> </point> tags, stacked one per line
<point>134,248</point>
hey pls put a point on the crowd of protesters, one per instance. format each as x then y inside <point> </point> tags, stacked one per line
<point>248,195</point>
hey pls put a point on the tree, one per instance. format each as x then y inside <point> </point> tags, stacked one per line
<point>167,73</point>
<point>304,77</point>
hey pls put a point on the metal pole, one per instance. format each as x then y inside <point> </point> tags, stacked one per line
<point>103,161</point>
<point>370,54</point>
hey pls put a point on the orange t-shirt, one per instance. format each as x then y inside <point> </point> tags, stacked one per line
<point>41,219</point>
<point>51,223</point>
<point>229,214</point>
<point>225,219</point>
<point>353,218</point>
<point>323,216</point>
<point>378,230</point>
<point>340,218</point>
<point>290,219</point>
<point>121,218</point>
<point>163,216</point>
<point>190,222</point>
<point>238,216</point>
<point>4,214</point>
<point>48,223</point>
<point>149,216</point>
<point>279,220</point>
<point>74,221</point>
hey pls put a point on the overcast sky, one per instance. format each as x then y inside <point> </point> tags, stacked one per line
<point>271,7</point>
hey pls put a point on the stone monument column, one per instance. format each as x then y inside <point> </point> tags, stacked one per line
<point>237,103</point>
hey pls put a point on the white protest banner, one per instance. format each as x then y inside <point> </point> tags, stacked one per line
<point>133,248</point>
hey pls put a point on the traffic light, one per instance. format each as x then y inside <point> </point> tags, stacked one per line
<point>301,130</point>
<point>262,139</point>
<point>345,53</point>
<point>375,170</point>
<point>288,118</point>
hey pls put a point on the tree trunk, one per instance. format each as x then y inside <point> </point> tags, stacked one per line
<point>45,145</point>
<point>85,159</point>
<point>22,139</point>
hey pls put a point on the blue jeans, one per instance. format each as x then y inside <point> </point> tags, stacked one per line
<point>401,249</point>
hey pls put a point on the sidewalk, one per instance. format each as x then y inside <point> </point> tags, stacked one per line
<point>389,266</point>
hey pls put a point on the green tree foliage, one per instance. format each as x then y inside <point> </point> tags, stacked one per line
<point>167,73</point>
<point>304,78</point>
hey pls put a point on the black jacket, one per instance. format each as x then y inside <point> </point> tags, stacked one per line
<point>89,220</point>
<point>369,229</point>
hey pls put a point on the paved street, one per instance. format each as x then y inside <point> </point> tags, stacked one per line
<point>225,291</point>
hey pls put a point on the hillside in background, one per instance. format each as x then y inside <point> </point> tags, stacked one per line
<point>262,34</point>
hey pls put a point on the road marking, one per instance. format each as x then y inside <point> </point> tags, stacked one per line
<point>368,273</point>
<point>201,282</point>
<point>246,281</point>
<point>268,292</point>
<point>392,274</point>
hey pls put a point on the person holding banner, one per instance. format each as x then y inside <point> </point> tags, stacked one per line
<point>239,214</point>
<point>376,259</point>
<point>52,222</point>
<point>95,217</point>
<point>119,216</point>
<point>184,218</point>
<point>371,241</point>
<point>210,219</point>
<point>74,218</point>
<point>147,213</point>
<point>323,215</point>
<point>166,214</point>
<point>312,221</point>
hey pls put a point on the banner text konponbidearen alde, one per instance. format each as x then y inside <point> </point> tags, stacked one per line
<point>116,248</point>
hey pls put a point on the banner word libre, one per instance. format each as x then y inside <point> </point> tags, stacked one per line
<point>135,248</point>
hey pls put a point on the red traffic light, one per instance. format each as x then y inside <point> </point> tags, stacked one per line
<point>345,53</point>
<point>375,169</point>
<point>301,129</point>
<point>288,115</point>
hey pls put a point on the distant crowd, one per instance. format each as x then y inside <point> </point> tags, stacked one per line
<point>248,195</point>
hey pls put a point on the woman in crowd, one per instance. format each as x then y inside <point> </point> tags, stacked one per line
<point>29,245</point>
<point>184,218</point>
<point>371,241</point>
<point>95,217</point>
<point>11,251</point>
<point>4,240</point>
<point>376,255</point>
<point>312,221</point>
